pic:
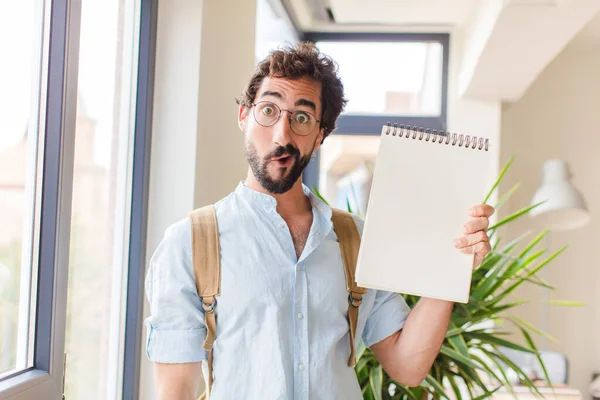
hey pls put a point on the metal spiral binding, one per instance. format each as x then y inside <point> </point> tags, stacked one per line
<point>442,137</point>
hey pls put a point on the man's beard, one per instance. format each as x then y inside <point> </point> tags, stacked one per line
<point>261,172</point>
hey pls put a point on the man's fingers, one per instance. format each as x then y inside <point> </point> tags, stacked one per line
<point>479,248</point>
<point>482,210</point>
<point>478,224</point>
<point>471,240</point>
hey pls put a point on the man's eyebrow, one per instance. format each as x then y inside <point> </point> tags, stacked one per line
<point>299,102</point>
<point>307,103</point>
<point>269,93</point>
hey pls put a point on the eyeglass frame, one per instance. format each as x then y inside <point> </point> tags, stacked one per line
<point>318,121</point>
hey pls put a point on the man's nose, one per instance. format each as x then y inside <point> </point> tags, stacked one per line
<point>282,130</point>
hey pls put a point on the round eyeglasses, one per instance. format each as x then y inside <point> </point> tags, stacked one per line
<point>267,114</point>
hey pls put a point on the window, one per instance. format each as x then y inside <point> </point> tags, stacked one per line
<point>75,128</point>
<point>407,80</point>
<point>101,203</point>
<point>346,170</point>
<point>21,32</point>
<point>388,78</point>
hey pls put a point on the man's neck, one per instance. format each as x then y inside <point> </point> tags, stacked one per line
<point>290,203</point>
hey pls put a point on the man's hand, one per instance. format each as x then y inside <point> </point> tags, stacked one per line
<point>475,239</point>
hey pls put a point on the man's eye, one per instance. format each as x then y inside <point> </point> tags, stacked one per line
<point>268,110</point>
<point>302,118</point>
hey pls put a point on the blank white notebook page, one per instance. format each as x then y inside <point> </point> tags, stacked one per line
<point>419,201</point>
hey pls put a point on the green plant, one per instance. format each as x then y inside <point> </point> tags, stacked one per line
<point>471,349</point>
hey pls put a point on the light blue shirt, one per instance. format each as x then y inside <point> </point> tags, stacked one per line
<point>282,327</point>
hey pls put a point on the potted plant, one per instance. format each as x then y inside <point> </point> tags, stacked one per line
<point>471,356</point>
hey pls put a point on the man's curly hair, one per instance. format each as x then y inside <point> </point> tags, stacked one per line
<point>303,60</point>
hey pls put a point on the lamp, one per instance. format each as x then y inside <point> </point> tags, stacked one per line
<point>563,207</point>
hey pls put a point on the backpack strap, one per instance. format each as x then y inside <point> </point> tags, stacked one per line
<point>207,269</point>
<point>349,238</point>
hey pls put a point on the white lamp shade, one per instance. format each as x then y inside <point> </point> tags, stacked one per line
<point>563,207</point>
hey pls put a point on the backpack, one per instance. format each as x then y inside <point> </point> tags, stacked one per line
<point>207,271</point>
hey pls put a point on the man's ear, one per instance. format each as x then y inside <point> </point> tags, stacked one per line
<point>319,139</point>
<point>243,113</point>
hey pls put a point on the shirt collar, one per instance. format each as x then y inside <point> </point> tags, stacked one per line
<point>256,197</point>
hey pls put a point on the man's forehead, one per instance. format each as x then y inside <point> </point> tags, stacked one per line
<point>302,87</point>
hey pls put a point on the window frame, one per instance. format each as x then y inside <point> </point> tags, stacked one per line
<point>370,125</point>
<point>58,105</point>
<point>134,316</point>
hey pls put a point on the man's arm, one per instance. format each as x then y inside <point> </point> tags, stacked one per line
<point>177,381</point>
<point>407,355</point>
<point>176,327</point>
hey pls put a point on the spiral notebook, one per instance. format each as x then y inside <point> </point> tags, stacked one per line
<point>424,183</point>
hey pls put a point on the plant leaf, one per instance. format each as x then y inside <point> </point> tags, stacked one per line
<point>488,284</point>
<point>496,310</point>
<point>500,176</point>
<point>536,280</point>
<point>488,394</point>
<point>400,390</point>
<point>566,303</point>
<point>512,287</point>
<point>473,379</point>
<point>533,243</point>
<point>524,324</point>
<point>522,264</point>
<point>517,369</point>
<point>537,354</point>
<point>506,196</point>
<point>490,339</point>
<point>459,344</point>
<point>514,216</point>
<point>318,194</point>
<point>436,386</point>
<point>361,364</point>
<point>455,388</point>
<point>486,367</point>
<point>458,357</point>
<point>358,211</point>
<point>360,350</point>
<point>368,393</point>
<point>376,381</point>
<point>454,331</point>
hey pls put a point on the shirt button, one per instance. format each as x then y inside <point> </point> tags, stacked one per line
<point>282,225</point>
<point>300,316</point>
<point>301,367</point>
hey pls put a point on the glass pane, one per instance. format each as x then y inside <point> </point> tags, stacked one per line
<point>21,31</point>
<point>389,78</point>
<point>101,199</point>
<point>346,164</point>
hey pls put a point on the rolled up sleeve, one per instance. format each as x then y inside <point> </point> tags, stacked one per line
<point>387,317</point>
<point>175,328</point>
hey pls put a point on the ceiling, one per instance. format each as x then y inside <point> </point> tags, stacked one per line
<point>403,12</point>
<point>410,13</point>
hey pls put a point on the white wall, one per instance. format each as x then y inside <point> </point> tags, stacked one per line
<point>205,56</point>
<point>558,117</point>
<point>472,117</point>
<point>226,65</point>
